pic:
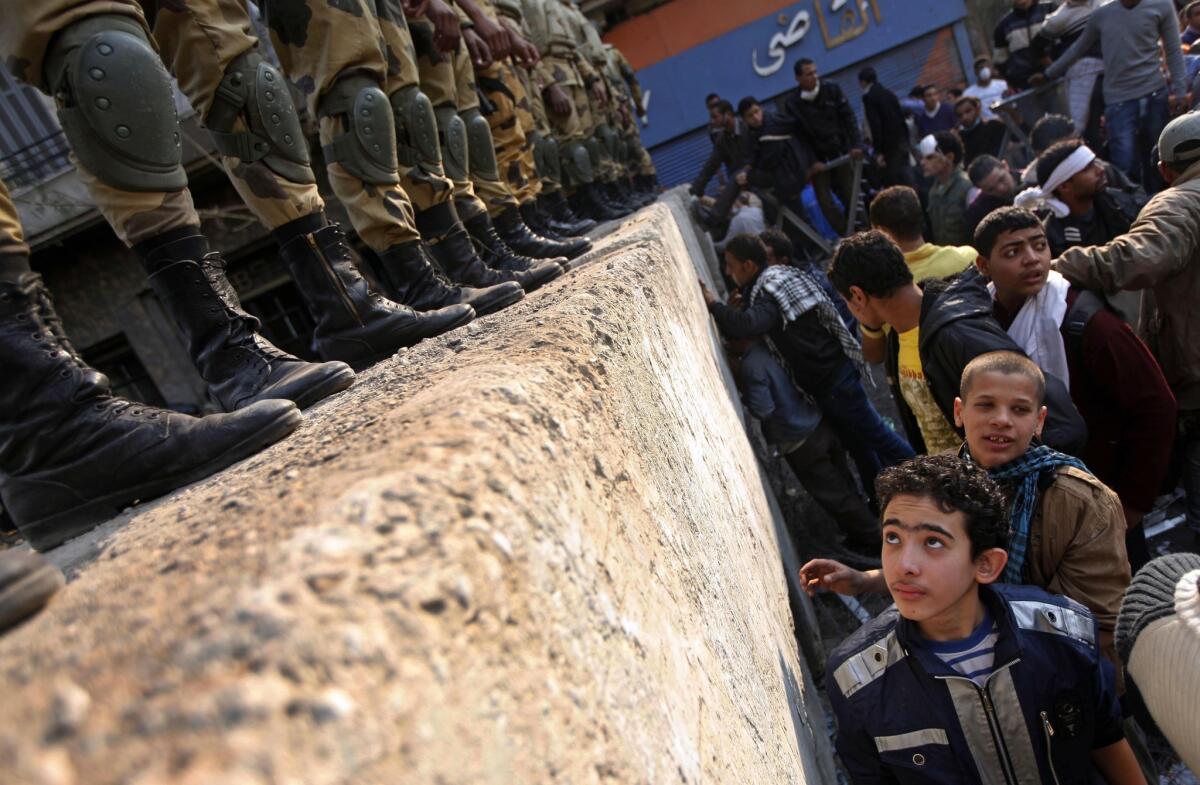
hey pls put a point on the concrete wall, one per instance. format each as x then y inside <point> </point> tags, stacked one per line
<point>536,550</point>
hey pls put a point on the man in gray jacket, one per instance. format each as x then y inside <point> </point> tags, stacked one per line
<point>1138,102</point>
<point>1161,254</point>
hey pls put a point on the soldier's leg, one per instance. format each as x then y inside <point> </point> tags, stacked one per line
<point>71,454</point>
<point>117,109</point>
<point>550,204</point>
<point>570,130</point>
<point>335,51</point>
<point>469,161</point>
<point>514,149</point>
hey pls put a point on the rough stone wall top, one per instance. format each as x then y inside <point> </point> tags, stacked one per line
<point>536,550</point>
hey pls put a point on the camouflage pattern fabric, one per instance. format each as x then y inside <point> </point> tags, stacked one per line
<point>12,238</point>
<point>514,149</point>
<point>318,42</point>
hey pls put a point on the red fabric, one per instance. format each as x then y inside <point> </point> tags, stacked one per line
<point>1123,397</point>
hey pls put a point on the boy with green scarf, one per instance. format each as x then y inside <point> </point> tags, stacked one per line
<point>1068,527</point>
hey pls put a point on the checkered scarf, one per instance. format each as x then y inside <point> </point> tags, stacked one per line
<point>1019,478</point>
<point>797,292</point>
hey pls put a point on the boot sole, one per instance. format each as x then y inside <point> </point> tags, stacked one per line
<point>54,530</point>
<point>500,304</point>
<point>331,385</point>
<point>364,363</point>
<point>28,594</point>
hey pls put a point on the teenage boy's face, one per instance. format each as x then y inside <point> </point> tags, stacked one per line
<point>935,164</point>
<point>1019,262</point>
<point>926,558</point>
<point>1000,414</point>
<point>967,113</point>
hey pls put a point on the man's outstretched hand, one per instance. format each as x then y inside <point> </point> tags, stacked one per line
<point>709,297</point>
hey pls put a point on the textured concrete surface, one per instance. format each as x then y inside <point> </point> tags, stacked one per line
<point>536,550</point>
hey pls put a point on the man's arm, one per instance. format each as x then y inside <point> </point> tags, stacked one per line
<point>874,122</point>
<point>706,172</point>
<point>1117,764</point>
<point>1168,31</point>
<point>755,320</point>
<point>1161,242</point>
<point>1091,32</point>
<point>1094,566</point>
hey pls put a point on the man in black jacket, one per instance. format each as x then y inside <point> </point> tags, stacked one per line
<point>778,160</point>
<point>824,119</point>
<point>731,148</point>
<point>889,132</point>
<point>958,325</point>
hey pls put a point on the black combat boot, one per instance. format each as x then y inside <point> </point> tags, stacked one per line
<point>240,365</point>
<point>612,192</point>
<point>497,255</point>
<point>456,254</point>
<point>647,184</point>
<point>536,219</point>
<point>355,323</point>
<point>410,276</point>
<point>72,455</point>
<point>634,194</point>
<point>517,236</point>
<point>558,212</point>
<point>588,202</point>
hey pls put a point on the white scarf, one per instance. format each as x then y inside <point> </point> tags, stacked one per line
<point>1033,198</point>
<point>811,95</point>
<point>1036,328</point>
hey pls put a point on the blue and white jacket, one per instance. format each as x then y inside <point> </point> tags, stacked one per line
<point>904,716</point>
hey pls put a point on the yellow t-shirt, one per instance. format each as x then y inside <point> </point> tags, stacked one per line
<point>939,436</point>
<point>938,261</point>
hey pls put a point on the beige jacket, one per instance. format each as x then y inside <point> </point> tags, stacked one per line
<point>1160,254</point>
<point>1077,549</point>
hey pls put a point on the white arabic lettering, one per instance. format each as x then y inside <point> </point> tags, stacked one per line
<point>780,42</point>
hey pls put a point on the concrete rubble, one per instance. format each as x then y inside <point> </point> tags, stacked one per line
<point>536,550</point>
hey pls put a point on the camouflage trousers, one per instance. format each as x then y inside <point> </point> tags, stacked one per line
<point>536,125</point>
<point>514,147</point>
<point>449,80</point>
<point>197,40</point>
<point>318,43</point>
<point>12,238</point>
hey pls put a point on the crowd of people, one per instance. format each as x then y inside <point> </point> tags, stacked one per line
<point>473,144</point>
<point>1029,282</point>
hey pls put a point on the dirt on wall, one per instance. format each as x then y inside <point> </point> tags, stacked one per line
<point>536,550</point>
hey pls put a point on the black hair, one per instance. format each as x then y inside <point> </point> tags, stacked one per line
<point>954,485</point>
<point>997,222</point>
<point>949,144</point>
<point>967,99</point>
<point>898,210</point>
<point>778,242</point>
<point>980,59</point>
<point>868,75</point>
<point>954,93</point>
<point>1003,362</point>
<point>708,99</point>
<point>917,91</point>
<point>723,106</point>
<point>799,66</point>
<point>870,261</point>
<point>927,88</point>
<point>746,104</point>
<point>747,247</point>
<point>1049,130</point>
<point>982,167</point>
<point>1055,154</point>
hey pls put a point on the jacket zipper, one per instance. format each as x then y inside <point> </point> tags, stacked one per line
<point>333,276</point>
<point>989,711</point>
<point>1049,730</point>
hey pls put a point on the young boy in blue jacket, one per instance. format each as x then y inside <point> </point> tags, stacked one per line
<point>965,680</point>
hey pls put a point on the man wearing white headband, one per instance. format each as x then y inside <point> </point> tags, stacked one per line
<point>1114,381</point>
<point>951,192</point>
<point>1161,252</point>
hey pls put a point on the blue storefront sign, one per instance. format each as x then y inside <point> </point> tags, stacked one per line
<point>757,58</point>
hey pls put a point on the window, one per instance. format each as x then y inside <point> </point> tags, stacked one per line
<point>285,320</point>
<point>116,359</point>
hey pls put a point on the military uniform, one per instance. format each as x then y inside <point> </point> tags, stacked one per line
<point>644,166</point>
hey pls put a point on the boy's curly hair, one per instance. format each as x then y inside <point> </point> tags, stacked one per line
<point>955,485</point>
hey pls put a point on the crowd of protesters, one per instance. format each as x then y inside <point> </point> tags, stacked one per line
<point>1027,273</point>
